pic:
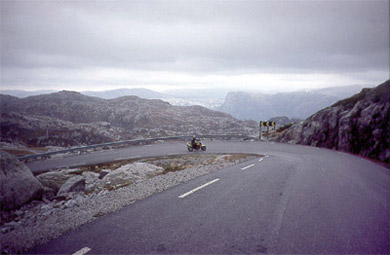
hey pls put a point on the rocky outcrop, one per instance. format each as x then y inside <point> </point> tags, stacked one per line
<point>17,184</point>
<point>359,124</point>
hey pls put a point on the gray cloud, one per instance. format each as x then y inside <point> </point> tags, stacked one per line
<point>195,36</point>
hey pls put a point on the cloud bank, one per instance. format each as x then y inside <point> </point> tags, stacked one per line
<point>165,44</point>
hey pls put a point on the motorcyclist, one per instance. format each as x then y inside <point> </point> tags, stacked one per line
<point>193,142</point>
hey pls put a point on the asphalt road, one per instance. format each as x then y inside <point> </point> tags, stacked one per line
<point>296,199</point>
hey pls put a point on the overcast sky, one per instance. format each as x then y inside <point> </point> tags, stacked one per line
<point>240,45</point>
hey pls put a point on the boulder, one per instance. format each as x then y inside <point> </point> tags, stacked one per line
<point>73,184</point>
<point>54,180</point>
<point>91,179</point>
<point>128,174</point>
<point>17,183</point>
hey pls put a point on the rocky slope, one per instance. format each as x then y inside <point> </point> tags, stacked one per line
<point>70,118</point>
<point>359,124</point>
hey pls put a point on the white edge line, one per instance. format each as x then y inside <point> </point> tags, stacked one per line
<point>198,188</point>
<point>82,251</point>
<point>244,168</point>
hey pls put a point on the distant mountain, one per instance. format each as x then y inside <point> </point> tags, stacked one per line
<point>106,94</point>
<point>341,92</point>
<point>24,93</point>
<point>359,124</point>
<point>242,105</point>
<point>299,104</point>
<point>201,93</point>
<point>68,115</point>
<point>115,93</point>
<point>209,98</point>
<point>257,106</point>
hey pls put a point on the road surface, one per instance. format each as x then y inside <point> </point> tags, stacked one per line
<point>295,199</point>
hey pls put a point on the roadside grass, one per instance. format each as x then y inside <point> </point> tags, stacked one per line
<point>17,152</point>
<point>24,151</point>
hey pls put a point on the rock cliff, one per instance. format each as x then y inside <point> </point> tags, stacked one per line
<point>359,124</point>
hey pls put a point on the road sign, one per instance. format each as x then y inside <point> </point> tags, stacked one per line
<point>267,123</point>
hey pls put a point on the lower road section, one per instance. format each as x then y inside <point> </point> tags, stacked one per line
<point>294,199</point>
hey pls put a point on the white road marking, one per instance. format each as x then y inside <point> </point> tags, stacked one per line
<point>82,251</point>
<point>261,159</point>
<point>244,168</point>
<point>198,188</point>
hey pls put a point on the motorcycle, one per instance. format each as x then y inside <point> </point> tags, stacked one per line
<point>198,145</point>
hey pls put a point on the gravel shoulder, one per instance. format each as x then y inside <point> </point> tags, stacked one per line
<point>41,221</point>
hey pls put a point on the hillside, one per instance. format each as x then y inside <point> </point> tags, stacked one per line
<point>359,124</point>
<point>75,119</point>
<point>298,104</point>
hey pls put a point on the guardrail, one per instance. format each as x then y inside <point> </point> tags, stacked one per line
<point>131,142</point>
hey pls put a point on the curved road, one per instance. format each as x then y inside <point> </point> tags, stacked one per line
<point>296,199</point>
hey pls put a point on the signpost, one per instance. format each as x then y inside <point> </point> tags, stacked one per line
<point>266,124</point>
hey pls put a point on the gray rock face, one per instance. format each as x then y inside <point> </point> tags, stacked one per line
<point>17,184</point>
<point>359,124</point>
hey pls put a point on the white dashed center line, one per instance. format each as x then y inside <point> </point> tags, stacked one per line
<point>198,188</point>
<point>261,159</point>
<point>244,168</point>
<point>82,251</point>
